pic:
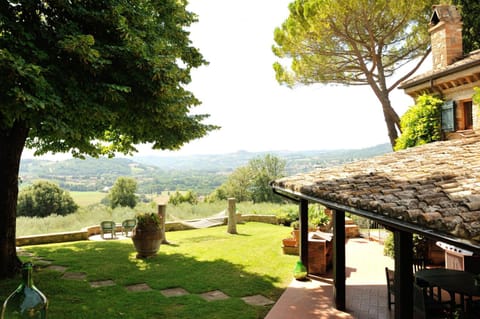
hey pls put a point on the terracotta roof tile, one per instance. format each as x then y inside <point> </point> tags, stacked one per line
<point>472,57</point>
<point>435,185</point>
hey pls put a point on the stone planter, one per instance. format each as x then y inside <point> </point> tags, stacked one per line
<point>289,242</point>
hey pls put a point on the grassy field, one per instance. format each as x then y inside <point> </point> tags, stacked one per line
<point>84,199</point>
<point>87,198</point>
<point>198,261</point>
<point>94,214</point>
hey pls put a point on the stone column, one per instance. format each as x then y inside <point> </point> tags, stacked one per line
<point>232,217</point>
<point>162,214</point>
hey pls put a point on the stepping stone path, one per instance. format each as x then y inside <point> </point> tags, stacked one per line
<point>102,283</point>
<point>258,300</point>
<point>174,292</point>
<point>42,262</point>
<point>57,268</point>
<point>21,252</point>
<point>138,287</point>
<point>255,300</point>
<point>75,275</point>
<point>214,295</point>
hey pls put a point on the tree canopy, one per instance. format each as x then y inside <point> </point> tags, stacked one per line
<point>470,10</point>
<point>122,193</point>
<point>44,198</point>
<point>353,42</point>
<point>91,78</point>
<point>263,171</point>
<point>252,181</point>
<point>95,77</point>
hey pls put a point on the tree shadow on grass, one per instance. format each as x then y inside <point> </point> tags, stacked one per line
<point>170,269</point>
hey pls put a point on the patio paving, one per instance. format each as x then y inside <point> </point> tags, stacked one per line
<point>366,291</point>
<point>118,236</point>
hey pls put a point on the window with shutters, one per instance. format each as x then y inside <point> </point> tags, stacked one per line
<point>448,116</point>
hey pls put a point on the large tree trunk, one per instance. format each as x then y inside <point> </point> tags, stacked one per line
<point>392,120</point>
<point>391,117</point>
<point>12,142</point>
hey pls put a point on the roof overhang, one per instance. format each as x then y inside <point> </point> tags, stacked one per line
<point>432,190</point>
<point>388,222</point>
<point>465,73</point>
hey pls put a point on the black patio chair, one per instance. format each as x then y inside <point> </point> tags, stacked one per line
<point>390,275</point>
<point>419,264</point>
<point>427,307</point>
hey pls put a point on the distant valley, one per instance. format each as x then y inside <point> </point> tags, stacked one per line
<point>154,174</point>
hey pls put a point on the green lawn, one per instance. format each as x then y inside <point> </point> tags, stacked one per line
<point>198,261</point>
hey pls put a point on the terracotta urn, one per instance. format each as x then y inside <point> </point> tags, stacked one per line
<point>147,235</point>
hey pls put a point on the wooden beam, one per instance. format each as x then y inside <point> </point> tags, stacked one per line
<point>303,249</point>
<point>403,274</point>
<point>339,259</point>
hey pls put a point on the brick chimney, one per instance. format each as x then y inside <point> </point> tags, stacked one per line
<point>446,35</point>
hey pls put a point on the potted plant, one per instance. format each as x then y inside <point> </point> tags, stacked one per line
<point>296,231</point>
<point>146,235</point>
<point>318,218</point>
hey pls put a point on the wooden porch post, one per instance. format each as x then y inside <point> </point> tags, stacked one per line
<point>303,249</point>
<point>339,259</point>
<point>403,274</point>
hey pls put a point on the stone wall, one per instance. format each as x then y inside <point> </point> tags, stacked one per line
<point>86,232</point>
<point>52,238</point>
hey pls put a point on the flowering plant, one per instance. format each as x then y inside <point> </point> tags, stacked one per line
<point>148,221</point>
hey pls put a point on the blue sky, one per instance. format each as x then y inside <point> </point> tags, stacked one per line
<point>238,89</point>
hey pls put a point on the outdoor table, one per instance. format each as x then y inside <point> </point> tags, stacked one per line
<point>453,281</point>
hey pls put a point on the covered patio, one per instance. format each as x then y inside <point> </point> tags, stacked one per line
<point>366,293</point>
<point>431,190</point>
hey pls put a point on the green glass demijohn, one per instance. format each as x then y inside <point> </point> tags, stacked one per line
<point>300,271</point>
<point>26,301</point>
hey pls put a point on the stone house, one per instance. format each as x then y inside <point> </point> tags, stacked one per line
<point>432,190</point>
<point>453,76</point>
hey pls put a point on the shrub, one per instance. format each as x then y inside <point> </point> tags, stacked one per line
<point>421,123</point>
<point>476,96</point>
<point>388,246</point>
<point>178,198</point>
<point>419,246</point>
<point>287,215</point>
